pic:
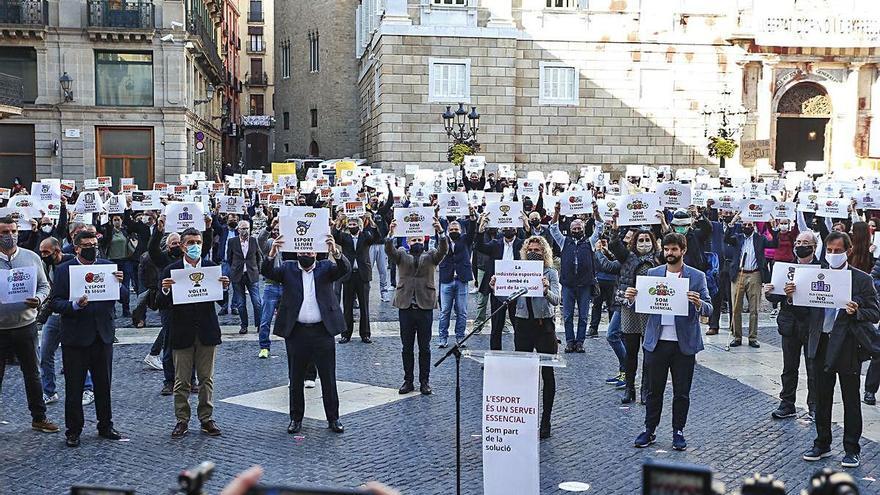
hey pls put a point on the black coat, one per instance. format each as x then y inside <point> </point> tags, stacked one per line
<point>792,321</point>
<point>188,321</point>
<point>494,249</point>
<point>80,328</point>
<point>361,254</point>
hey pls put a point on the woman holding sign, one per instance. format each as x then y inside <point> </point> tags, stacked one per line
<point>534,329</point>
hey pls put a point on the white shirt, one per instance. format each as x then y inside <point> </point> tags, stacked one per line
<point>309,311</point>
<point>667,322</point>
<point>245,244</point>
<point>354,262</point>
<point>508,250</point>
<point>749,262</point>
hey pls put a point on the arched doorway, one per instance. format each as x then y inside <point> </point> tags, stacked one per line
<point>313,149</point>
<point>803,125</point>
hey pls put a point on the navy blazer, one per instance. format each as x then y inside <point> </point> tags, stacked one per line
<point>735,239</point>
<point>289,274</point>
<point>687,328</point>
<point>457,262</point>
<point>188,321</point>
<point>80,328</point>
<point>494,249</point>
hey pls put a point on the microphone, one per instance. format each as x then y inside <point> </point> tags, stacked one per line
<point>517,294</point>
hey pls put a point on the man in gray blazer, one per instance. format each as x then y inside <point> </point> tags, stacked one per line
<point>244,258</point>
<point>671,344</point>
<point>416,298</point>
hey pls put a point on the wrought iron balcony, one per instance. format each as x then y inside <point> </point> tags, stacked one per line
<point>124,14</point>
<point>24,12</point>
<point>11,95</point>
<point>258,79</point>
<point>255,16</point>
<point>196,26</point>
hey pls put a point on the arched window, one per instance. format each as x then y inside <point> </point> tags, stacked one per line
<point>807,99</point>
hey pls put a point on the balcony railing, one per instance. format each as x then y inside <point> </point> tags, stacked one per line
<point>255,16</point>
<point>129,14</point>
<point>24,12</point>
<point>256,48</point>
<point>196,26</point>
<point>258,79</point>
<point>11,90</point>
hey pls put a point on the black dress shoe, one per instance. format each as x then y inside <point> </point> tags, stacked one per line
<point>345,340</point>
<point>180,430</point>
<point>242,331</point>
<point>628,397</point>
<point>223,312</point>
<point>736,342</point>
<point>335,426</point>
<point>544,432</point>
<point>425,389</point>
<point>754,344</point>
<point>870,399</point>
<point>406,388</point>
<point>110,434</point>
<point>72,440</point>
<point>367,340</point>
<point>294,427</point>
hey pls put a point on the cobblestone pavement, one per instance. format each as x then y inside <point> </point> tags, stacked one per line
<point>408,443</point>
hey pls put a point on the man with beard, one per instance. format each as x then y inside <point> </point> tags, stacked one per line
<point>671,344</point>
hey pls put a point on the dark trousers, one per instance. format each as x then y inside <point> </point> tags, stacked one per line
<point>539,335</point>
<point>665,358</point>
<point>792,347</point>
<point>852,406</point>
<point>415,324</point>
<point>719,298</point>
<point>351,288</point>
<point>872,380</point>
<point>498,321</point>
<point>21,344</point>
<point>633,343</point>
<point>96,358</point>
<point>309,344</point>
<point>607,288</point>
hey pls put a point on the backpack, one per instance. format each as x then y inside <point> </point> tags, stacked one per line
<point>712,272</point>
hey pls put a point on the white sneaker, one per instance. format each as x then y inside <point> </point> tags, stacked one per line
<point>88,397</point>
<point>154,362</point>
<point>50,399</point>
<point>474,290</point>
<point>309,383</point>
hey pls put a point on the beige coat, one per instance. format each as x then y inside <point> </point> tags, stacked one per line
<point>419,284</point>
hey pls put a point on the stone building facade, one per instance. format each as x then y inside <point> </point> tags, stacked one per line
<point>139,74</point>
<point>257,70</point>
<point>568,83</point>
<point>316,97</point>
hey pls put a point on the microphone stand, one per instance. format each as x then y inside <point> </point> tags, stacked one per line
<point>456,351</point>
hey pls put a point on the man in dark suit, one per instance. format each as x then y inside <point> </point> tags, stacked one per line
<point>244,256</point>
<point>506,248</point>
<point>308,319</point>
<point>840,340</point>
<point>194,334</point>
<point>748,272</point>
<point>416,298</point>
<point>355,246</point>
<point>455,275</point>
<point>87,333</point>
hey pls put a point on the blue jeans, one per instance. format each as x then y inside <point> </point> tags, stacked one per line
<point>49,342</point>
<point>380,260</point>
<point>570,296</point>
<point>253,289</point>
<point>455,292</point>
<point>271,295</point>
<point>224,270</point>
<point>128,274</point>
<point>615,341</point>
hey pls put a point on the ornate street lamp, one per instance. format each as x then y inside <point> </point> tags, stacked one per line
<point>725,121</point>
<point>209,95</point>
<point>66,82</point>
<point>460,125</point>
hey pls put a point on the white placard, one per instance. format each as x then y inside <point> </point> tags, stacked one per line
<point>639,209</point>
<point>782,274</point>
<point>89,202</point>
<point>341,194</point>
<point>47,191</point>
<point>116,204</point>
<point>820,288</point>
<point>606,207</point>
<point>90,184</point>
<point>867,200</point>
<point>674,195</point>
<point>699,197</point>
<point>150,200</point>
<point>195,285</point>
<point>305,229</point>
<point>180,216</point>
<point>454,204</point>
<point>510,425</point>
<point>513,275</point>
<point>504,214</point>
<point>662,295</point>
<point>23,222</point>
<point>729,200</point>
<point>354,209</point>
<point>575,203</point>
<point>18,284</point>
<point>27,205</point>
<point>231,204</point>
<point>414,222</point>
<point>757,210</point>
<point>95,281</point>
<point>527,187</point>
<point>832,207</point>
<point>782,211</point>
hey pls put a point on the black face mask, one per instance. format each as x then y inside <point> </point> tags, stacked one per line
<point>747,231</point>
<point>305,261</point>
<point>416,249</point>
<point>354,230</point>
<point>48,260</point>
<point>534,223</point>
<point>804,251</point>
<point>455,236</point>
<point>175,252</point>
<point>233,225</point>
<point>578,235</point>
<point>509,234</point>
<point>88,253</point>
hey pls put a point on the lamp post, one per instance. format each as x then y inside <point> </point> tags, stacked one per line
<point>725,120</point>
<point>209,95</point>
<point>66,81</point>
<point>460,125</point>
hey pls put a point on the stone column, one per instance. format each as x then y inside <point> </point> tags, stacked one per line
<point>766,89</point>
<point>396,12</point>
<point>844,116</point>
<point>500,13</point>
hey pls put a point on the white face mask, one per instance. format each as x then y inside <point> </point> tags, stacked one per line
<point>644,247</point>
<point>784,227</point>
<point>835,260</point>
<point>46,228</point>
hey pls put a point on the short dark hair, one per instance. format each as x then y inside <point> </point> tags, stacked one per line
<point>675,238</point>
<point>835,235</point>
<point>189,232</point>
<point>83,234</point>
<point>7,219</point>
